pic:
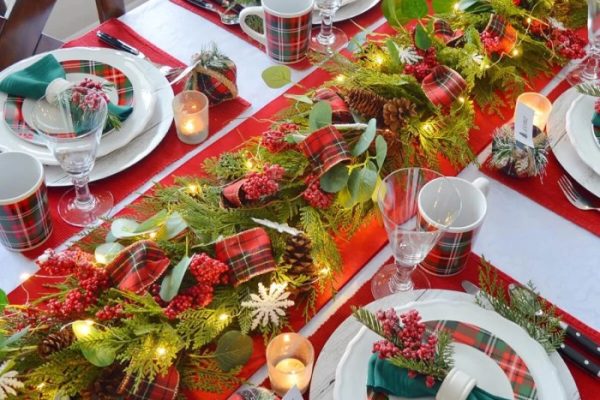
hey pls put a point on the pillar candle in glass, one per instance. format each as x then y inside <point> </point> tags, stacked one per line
<point>190,110</point>
<point>540,105</point>
<point>290,359</point>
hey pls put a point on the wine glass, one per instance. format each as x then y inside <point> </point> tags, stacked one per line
<point>588,70</point>
<point>72,126</point>
<point>413,224</point>
<point>328,39</point>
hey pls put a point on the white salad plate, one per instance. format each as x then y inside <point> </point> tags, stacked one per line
<point>581,131</point>
<point>143,101</point>
<point>349,9</point>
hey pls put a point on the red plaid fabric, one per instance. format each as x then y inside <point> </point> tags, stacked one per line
<point>232,194</point>
<point>138,266</point>
<point>443,85</point>
<point>500,27</point>
<point>248,254</point>
<point>218,85</point>
<point>163,387</point>
<point>341,112</point>
<point>288,38</point>
<point>443,31</point>
<point>325,148</point>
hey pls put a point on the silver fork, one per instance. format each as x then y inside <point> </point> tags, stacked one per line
<point>574,196</point>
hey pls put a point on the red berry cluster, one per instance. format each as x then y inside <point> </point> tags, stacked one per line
<point>64,263</point>
<point>208,270</point>
<point>491,42</point>
<point>274,139</point>
<point>110,312</point>
<point>88,94</point>
<point>423,68</point>
<point>517,2</point>
<point>566,43</point>
<point>538,28</point>
<point>316,197</point>
<point>263,184</point>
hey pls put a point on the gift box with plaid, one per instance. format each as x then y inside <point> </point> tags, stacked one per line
<point>499,27</point>
<point>443,85</point>
<point>163,387</point>
<point>138,266</point>
<point>339,108</point>
<point>215,75</point>
<point>248,254</point>
<point>325,148</point>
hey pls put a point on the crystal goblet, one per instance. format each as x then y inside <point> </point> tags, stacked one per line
<point>327,39</point>
<point>588,70</point>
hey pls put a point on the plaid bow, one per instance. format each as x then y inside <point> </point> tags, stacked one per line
<point>443,31</point>
<point>325,148</point>
<point>138,266</point>
<point>163,387</point>
<point>341,112</point>
<point>248,254</point>
<point>232,194</point>
<point>443,85</point>
<point>498,26</point>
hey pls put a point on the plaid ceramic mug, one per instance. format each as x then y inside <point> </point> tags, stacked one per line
<point>24,213</point>
<point>451,253</point>
<point>287,25</point>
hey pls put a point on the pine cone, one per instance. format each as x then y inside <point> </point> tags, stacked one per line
<point>297,255</point>
<point>365,102</point>
<point>56,342</point>
<point>107,386</point>
<point>396,112</point>
<point>394,159</point>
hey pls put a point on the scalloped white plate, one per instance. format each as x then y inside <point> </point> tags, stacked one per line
<point>581,131</point>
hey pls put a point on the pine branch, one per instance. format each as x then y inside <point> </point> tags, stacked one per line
<point>590,89</point>
<point>204,374</point>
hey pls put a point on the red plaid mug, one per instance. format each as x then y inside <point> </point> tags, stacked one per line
<point>450,254</point>
<point>24,213</point>
<point>287,25</point>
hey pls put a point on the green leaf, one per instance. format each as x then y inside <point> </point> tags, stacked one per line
<point>14,338</point>
<point>366,138</point>
<point>422,39</point>
<point>154,222</point>
<point>362,182</point>
<point>321,115</point>
<point>233,349</point>
<point>442,6</point>
<point>474,6</point>
<point>381,149</point>
<point>393,50</point>
<point>106,252</point>
<point>390,10</point>
<point>294,138</point>
<point>412,9</point>
<point>335,179</point>
<point>302,98</point>
<point>99,356</point>
<point>399,12</point>
<point>124,228</point>
<point>172,281</point>
<point>173,227</point>
<point>345,198</point>
<point>3,300</point>
<point>277,76</point>
<point>357,41</point>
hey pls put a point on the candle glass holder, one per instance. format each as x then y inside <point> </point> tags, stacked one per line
<point>290,359</point>
<point>190,110</point>
<point>540,105</point>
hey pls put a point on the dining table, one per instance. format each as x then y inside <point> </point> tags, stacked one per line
<point>523,238</point>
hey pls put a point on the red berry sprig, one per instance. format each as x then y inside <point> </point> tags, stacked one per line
<point>208,270</point>
<point>316,197</point>
<point>566,43</point>
<point>424,67</point>
<point>64,263</point>
<point>88,94</point>
<point>274,139</point>
<point>110,312</point>
<point>263,184</point>
<point>491,42</point>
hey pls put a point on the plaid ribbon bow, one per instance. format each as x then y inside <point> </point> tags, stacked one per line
<point>325,148</point>
<point>138,266</point>
<point>248,254</point>
<point>341,112</point>
<point>443,31</point>
<point>163,387</point>
<point>232,194</point>
<point>499,27</point>
<point>443,85</point>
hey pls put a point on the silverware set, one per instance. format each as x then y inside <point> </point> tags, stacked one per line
<point>575,197</point>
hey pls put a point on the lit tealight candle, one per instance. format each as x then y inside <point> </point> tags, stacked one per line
<point>541,107</point>
<point>190,110</point>
<point>290,359</point>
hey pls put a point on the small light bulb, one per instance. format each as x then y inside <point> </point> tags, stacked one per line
<point>161,351</point>
<point>324,271</point>
<point>152,235</point>
<point>193,189</point>
<point>340,78</point>
<point>461,99</point>
<point>41,386</point>
<point>82,329</point>
<point>456,6</point>
<point>515,52</point>
<point>427,127</point>
<point>528,20</point>
<point>24,276</point>
<point>379,59</point>
<point>223,317</point>
<point>249,164</point>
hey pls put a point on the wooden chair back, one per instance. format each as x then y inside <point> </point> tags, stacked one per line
<point>21,34</point>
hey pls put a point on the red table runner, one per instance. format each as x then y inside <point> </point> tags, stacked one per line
<point>588,386</point>
<point>170,149</point>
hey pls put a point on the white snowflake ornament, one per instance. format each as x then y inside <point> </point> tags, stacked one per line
<point>8,381</point>
<point>556,24</point>
<point>408,55</point>
<point>268,306</point>
<point>477,58</point>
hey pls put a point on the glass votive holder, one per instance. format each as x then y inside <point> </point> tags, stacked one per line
<point>190,111</point>
<point>290,359</point>
<point>540,105</point>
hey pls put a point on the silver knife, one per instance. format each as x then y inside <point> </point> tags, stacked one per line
<point>564,349</point>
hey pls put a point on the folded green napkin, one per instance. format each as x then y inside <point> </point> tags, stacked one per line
<point>32,81</point>
<point>386,378</point>
<point>596,123</point>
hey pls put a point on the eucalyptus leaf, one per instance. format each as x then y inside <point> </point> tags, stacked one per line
<point>442,6</point>
<point>110,237</point>
<point>321,115</point>
<point>124,228</point>
<point>154,222</point>
<point>399,12</point>
<point>345,198</point>
<point>474,6</point>
<point>14,338</point>
<point>106,252</point>
<point>172,281</point>
<point>362,182</point>
<point>357,41</point>
<point>302,98</point>
<point>422,39</point>
<point>366,138</point>
<point>173,227</point>
<point>381,149</point>
<point>393,50</point>
<point>376,190</point>
<point>390,12</point>
<point>233,349</point>
<point>335,179</point>
<point>99,356</point>
<point>294,138</point>
<point>412,9</point>
<point>3,300</point>
<point>277,76</point>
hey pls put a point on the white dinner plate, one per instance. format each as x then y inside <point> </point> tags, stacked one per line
<point>140,146</point>
<point>143,101</point>
<point>351,10</point>
<point>351,372</point>
<point>563,149</point>
<point>581,131</point>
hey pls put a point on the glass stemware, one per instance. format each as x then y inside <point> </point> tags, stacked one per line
<point>589,69</point>
<point>328,39</point>
<point>413,225</point>
<point>72,127</point>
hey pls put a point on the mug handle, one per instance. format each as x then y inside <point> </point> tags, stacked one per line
<point>482,184</point>
<point>258,11</point>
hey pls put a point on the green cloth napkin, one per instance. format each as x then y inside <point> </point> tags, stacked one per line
<point>596,123</point>
<point>385,377</point>
<point>32,81</point>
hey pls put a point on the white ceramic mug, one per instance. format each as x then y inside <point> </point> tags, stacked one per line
<point>287,27</point>
<point>451,253</point>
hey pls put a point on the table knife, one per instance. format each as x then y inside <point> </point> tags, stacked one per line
<point>117,44</point>
<point>564,349</point>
